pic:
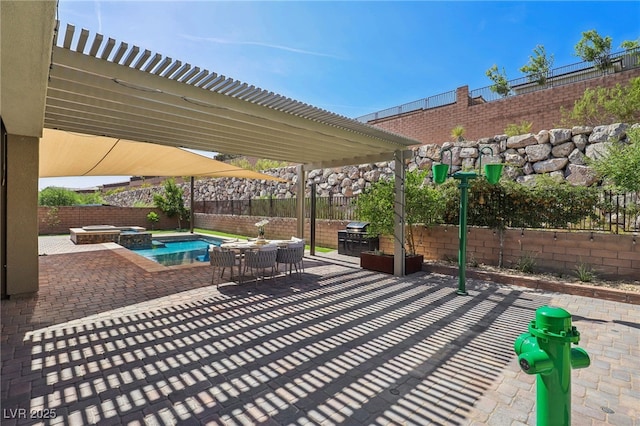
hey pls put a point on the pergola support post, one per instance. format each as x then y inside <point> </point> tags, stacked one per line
<point>399,212</point>
<point>300,192</point>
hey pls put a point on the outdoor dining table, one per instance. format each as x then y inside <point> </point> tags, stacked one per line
<point>243,246</point>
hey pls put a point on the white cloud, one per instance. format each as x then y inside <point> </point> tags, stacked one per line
<point>259,44</point>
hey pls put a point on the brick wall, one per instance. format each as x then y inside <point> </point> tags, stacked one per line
<point>611,256</point>
<point>59,220</point>
<point>541,108</point>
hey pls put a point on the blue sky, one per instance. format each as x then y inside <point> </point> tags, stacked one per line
<point>357,57</point>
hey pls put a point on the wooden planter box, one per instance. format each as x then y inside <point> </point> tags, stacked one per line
<point>384,262</point>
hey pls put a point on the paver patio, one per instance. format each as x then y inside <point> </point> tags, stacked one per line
<point>108,340</point>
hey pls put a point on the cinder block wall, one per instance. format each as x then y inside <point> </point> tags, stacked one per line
<point>58,220</point>
<point>611,256</point>
<point>277,228</point>
<point>541,108</point>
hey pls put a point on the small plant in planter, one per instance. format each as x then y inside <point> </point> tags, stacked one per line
<point>423,205</point>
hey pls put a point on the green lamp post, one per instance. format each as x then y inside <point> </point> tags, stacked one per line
<point>440,173</point>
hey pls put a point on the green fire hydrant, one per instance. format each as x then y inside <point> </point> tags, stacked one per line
<point>546,351</point>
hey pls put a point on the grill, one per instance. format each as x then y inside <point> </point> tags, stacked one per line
<point>354,239</point>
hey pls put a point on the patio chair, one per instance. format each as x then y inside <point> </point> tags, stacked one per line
<point>293,256</point>
<point>221,260</point>
<point>260,260</point>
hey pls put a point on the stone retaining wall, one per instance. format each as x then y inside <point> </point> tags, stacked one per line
<point>558,152</point>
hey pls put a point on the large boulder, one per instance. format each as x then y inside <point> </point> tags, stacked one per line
<point>538,152</point>
<point>581,175</point>
<point>521,141</point>
<point>558,136</point>
<point>549,166</point>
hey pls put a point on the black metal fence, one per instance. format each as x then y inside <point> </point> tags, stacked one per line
<point>616,213</point>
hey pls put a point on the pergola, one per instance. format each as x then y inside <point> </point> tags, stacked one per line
<point>75,82</point>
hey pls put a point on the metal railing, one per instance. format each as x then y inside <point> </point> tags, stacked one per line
<point>435,101</point>
<point>556,77</point>
<point>616,213</point>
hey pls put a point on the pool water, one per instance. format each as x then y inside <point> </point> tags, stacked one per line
<point>171,253</point>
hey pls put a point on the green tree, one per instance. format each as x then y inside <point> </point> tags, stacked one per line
<point>537,69</point>
<point>423,204</point>
<point>500,82</point>
<point>632,47</point>
<point>53,196</point>
<point>171,202</point>
<point>592,47</point>
<point>621,163</point>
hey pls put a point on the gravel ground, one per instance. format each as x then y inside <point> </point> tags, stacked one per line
<point>569,277</point>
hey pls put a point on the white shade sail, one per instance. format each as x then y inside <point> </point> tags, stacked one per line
<point>74,154</point>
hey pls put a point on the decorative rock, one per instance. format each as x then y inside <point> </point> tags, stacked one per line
<point>514,159</point>
<point>494,149</point>
<point>372,175</point>
<point>468,163</point>
<point>538,152</point>
<point>558,176</point>
<point>576,157</point>
<point>580,141</point>
<point>581,130</point>
<point>512,172</point>
<point>527,180</point>
<point>563,150</point>
<point>542,136</point>
<point>468,153</point>
<point>447,157</point>
<point>528,169</point>
<point>549,166</point>
<point>557,136</point>
<point>333,179</point>
<point>521,141</point>
<point>597,150</point>
<point>613,132</point>
<point>581,175</point>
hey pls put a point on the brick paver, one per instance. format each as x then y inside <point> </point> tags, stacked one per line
<point>111,341</point>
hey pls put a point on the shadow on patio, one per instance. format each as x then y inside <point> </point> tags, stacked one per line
<point>108,342</point>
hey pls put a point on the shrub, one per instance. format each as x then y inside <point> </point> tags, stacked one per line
<point>423,204</point>
<point>621,163</point>
<point>525,263</point>
<point>547,203</point>
<point>153,218</point>
<point>457,133</point>
<point>518,129</point>
<point>602,105</point>
<point>585,272</point>
<point>53,196</point>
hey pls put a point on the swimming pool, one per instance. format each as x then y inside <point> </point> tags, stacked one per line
<point>171,252</point>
